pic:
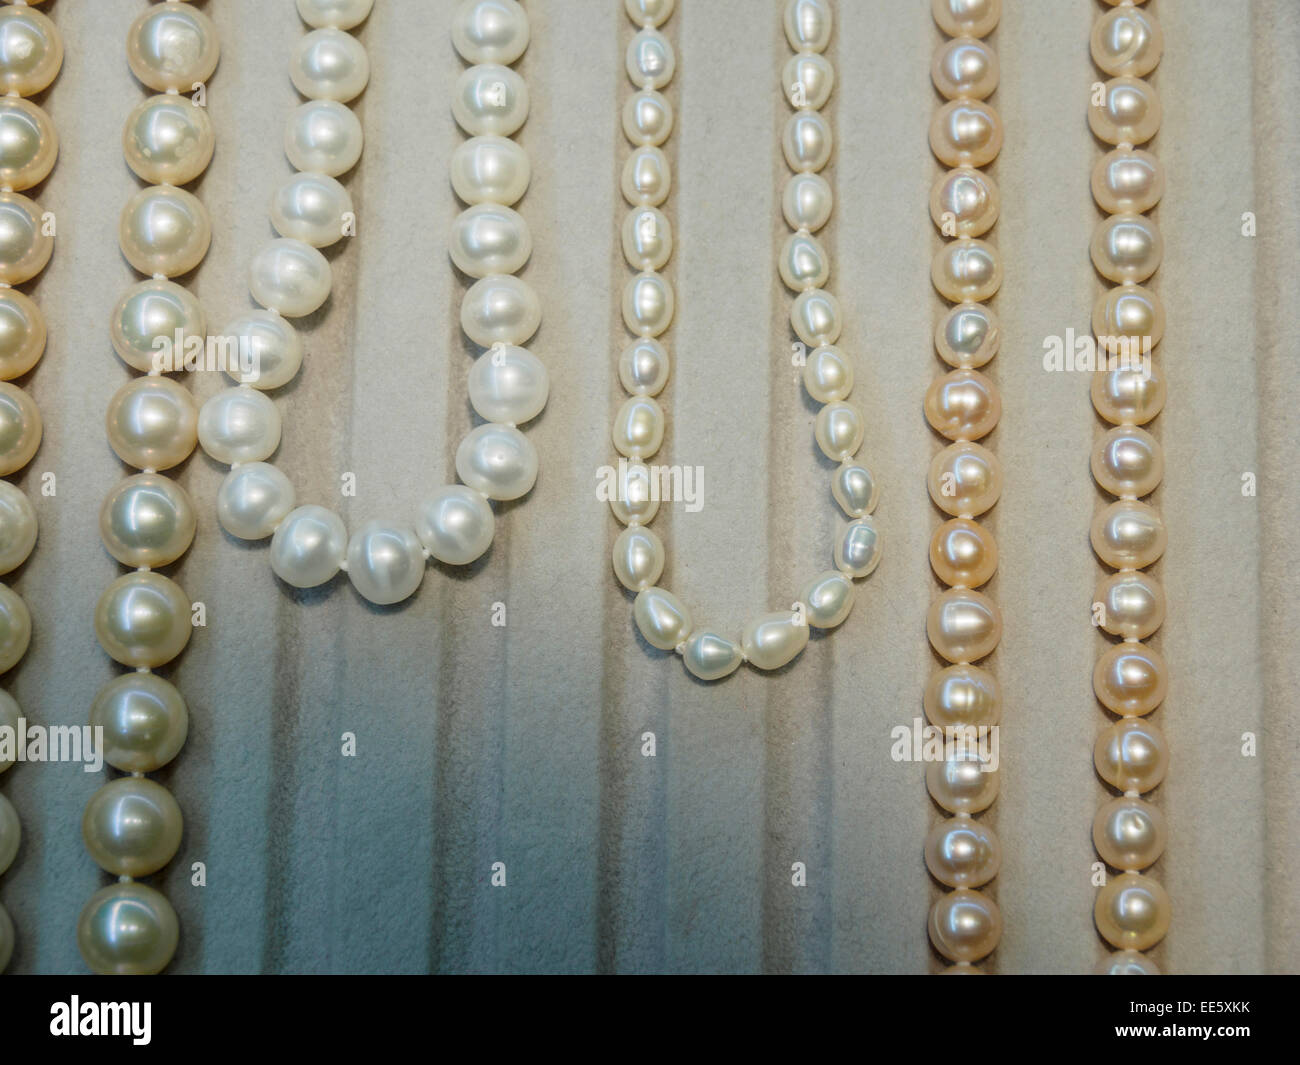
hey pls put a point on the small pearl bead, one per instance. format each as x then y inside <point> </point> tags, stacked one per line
<point>1131,679</point>
<point>808,25</point>
<point>966,133</point>
<point>489,239</point>
<point>490,100</point>
<point>168,140</point>
<point>1126,247</point>
<point>127,929</point>
<point>647,178</point>
<point>963,405</point>
<point>774,640</point>
<point>1129,114</point>
<point>839,429</point>
<point>290,277</point>
<point>28,144</point>
<point>152,423</point>
<point>971,18</point>
<point>164,230</point>
<point>31,51</point>
<point>647,118</point>
<point>1132,912</point>
<point>650,60</point>
<point>968,336</point>
<point>829,599</point>
<point>803,263</point>
<point>638,558</point>
<point>311,208</point>
<point>172,47</point>
<point>1128,180</point>
<point>964,202</point>
<point>643,367</point>
<point>329,64</point>
<point>1128,461</point>
<point>816,317</point>
<point>1127,41</point>
<point>239,425</point>
<point>962,695</point>
<point>22,334</point>
<point>966,270</point>
<point>341,14</point>
<point>638,430</point>
<point>963,625</point>
<point>1128,534</point>
<point>806,202</point>
<point>508,384</point>
<point>964,67</point>
<point>808,80</point>
<point>965,480</point>
<point>20,429</point>
<point>963,553</point>
<point>500,310</point>
<point>649,12</point>
<point>25,247</point>
<point>18,527</point>
<point>490,31</point>
<point>147,520</point>
<point>1132,755</point>
<point>253,499</point>
<point>828,374</point>
<point>647,238</point>
<point>1129,397</point>
<point>456,525</point>
<point>325,137</point>
<point>962,853</point>
<point>634,500</point>
<point>709,656</point>
<point>1133,604</point>
<point>498,461</point>
<point>807,141</point>
<point>385,562</point>
<point>308,547</point>
<point>1129,833</point>
<point>648,304</point>
<point>857,549</point>
<point>661,617</point>
<point>965,925</point>
<point>962,782</point>
<point>143,619</point>
<point>490,170</point>
<point>854,489</point>
<point>132,827</point>
<point>145,721</point>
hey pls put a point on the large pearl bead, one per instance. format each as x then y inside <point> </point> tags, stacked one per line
<point>309,546</point>
<point>500,310</point>
<point>964,67</point>
<point>1128,534</point>
<point>172,47</point>
<point>143,619</point>
<point>963,553</point>
<point>638,558</point>
<point>839,429</point>
<point>807,141</point>
<point>328,64</point>
<point>828,600</point>
<point>290,278</point>
<point>20,428</point>
<point>708,656</point>
<point>962,695</point>
<point>456,525</point>
<point>31,51</point>
<point>489,239</point>
<point>385,562</point>
<point>964,202</point>
<point>970,18</point>
<point>966,270</point>
<point>1128,180</point>
<point>325,137</point>
<point>313,208</point>
<point>28,144</point>
<point>270,347</point>
<point>1129,397</point>
<point>1131,679</point>
<point>168,140</point>
<point>965,480</point>
<point>960,852</point>
<point>145,721</point>
<point>147,520</point>
<point>661,617</point>
<point>1129,833</point>
<point>239,425</point>
<point>164,230</point>
<point>490,31</point>
<point>1132,755</point>
<point>253,499</point>
<point>127,929</point>
<point>1129,113</point>
<point>857,548</point>
<point>966,133</point>
<point>806,202</point>
<point>490,100</point>
<point>774,640</point>
<point>638,428</point>
<point>490,170</point>
<point>965,925</point>
<point>650,60</point>
<point>808,25</point>
<point>968,336</point>
<point>341,14</point>
<point>963,405</point>
<point>152,423</point>
<point>962,783</point>
<point>1126,248</point>
<point>1133,605</point>
<point>1132,912</point>
<point>854,489</point>
<point>643,367</point>
<point>1127,41</point>
<point>648,304</point>
<point>508,384</point>
<point>149,313</point>
<point>132,827</point>
<point>963,625</point>
<point>498,461</point>
<point>17,527</point>
<point>25,246</point>
<point>22,334</point>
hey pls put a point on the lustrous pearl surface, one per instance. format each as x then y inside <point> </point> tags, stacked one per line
<point>829,600</point>
<point>508,384</point>
<point>1131,679</point>
<point>143,619</point>
<point>803,263</point>
<point>28,144</point>
<point>1130,112</point>
<point>964,66</point>
<point>806,202</point>
<point>489,31</point>
<point>638,558</point>
<point>650,60</point>
<point>489,239</point>
<point>10,834</point>
<point>324,136</point>
<point>500,310</point>
<point>271,343</point>
<point>168,140</point>
<point>808,80</point>
<point>808,25</point>
<point>498,461</point>
<point>1127,41</point>
<point>239,425</point>
<point>1128,180</point>
<point>290,277</point>
<point>172,46</point>
<point>1128,461</point>
<point>164,230</point>
<point>816,317</point>
<point>963,405</point>
<point>648,304</point>
<point>857,548</point>
<point>25,247</point>
<point>965,480</point>
<point>490,100</point>
<point>22,334</point>
<point>839,429</point>
<point>1128,534</point>
<point>17,527</point>
<point>708,656</point>
<point>329,64</point>
<point>490,170</point>
<point>647,178</point>
<point>308,546</point>
<point>964,202</point>
<point>962,853</point>
<point>962,695</point>
<point>341,14</point>
<point>145,721</point>
<point>455,525</point>
<point>638,428</point>
<point>807,141</point>
<point>152,423</point>
<point>132,827</point>
<point>643,367</point>
<point>647,118</point>
<point>649,12</point>
<point>253,500</point>
<point>147,520</point>
<point>312,208</point>
<point>963,553</point>
<point>635,501</point>
<point>968,336</point>
<point>854,489</point>
<point>1128,397</point>
<point>965,925</point>
<point>662,618</point>
<point>774,640</point>
<point>20,429</point>
<point>1126,247</point>
<point>961,784</point>
<point>1133,604</point>
<point>647,237</point>
<point>828,374</point>
<point>127,929</point>
<point>973,18</point>
<point>385,562</point>
<point>31,51</point>
<point>1126,963</point>
<point>966,270</point>
<point>963,625</point>
<point>1132,755</point>
<point>1132,912</point>
<point>1129,833</point>
<point>966,133</point>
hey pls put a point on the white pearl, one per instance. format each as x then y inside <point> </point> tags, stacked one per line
<point>456,525</point>
<point>644,366</point>
<point>385,562</point>
<point>662,618</point>
<point>808,80</point>
<point>636,500</point>
<point>498,461</point>
<point>857,550</point>
<point>808,25</point>
<point>270,343</point>
<point>239,425</point>
<point>829,600</point>
<point>127,929</point>
<point>816,317</point>
<point>638,558</point>
<point>500,310</point>
<point>308,546</point>
<point>490,99</point>
<point>774,640</point>
<point>806,202</point>
<point>311,208</point>
<point>147,520</point>
<point>22,334</point>
<point>968,336</point>
<point>164,230</point>
<point>29,144</point>
<point>969,18</point>
<point>17,527</point>
<point>639,427</point>
<point>647,238</point>
<point>649,12</point>
<point>828,374</point>
<point>648,304</point>
<point>854,489</point>
<point>650,60</point>
<point>328,64</point>
<point>807,141</point>
<point>253,499</point>
<point>290,277</point>
<point>142,619</point>
<point>323,136</point>
<point>490,170</point>
<point>803,263</point>
<point>149,311</point>
<point>172,47</point>
<point>508,384</point>
<point>489,239</point>
<point>168,140</point>
<point>839,429</point>
<point>341,14</point>
<point>647,118</point>
<point>708,656</point>
<point>490,31</point>
<point>647,178</point>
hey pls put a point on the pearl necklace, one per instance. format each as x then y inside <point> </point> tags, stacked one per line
<point>1130,678</point>
<point>31,52</point>
<point>132,825</point>
<point>769,641</point>
<point>965,481</point>
<point>489,241</point>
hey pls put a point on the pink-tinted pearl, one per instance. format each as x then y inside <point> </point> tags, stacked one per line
<point>965,925</point>
<point>1132,755</point>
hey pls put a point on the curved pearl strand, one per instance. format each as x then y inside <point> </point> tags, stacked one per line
<point>769,641</point>
<point>489,241</point>
<point>965,481</point>
<point>132,825</point>
<point>1132,910</point>
<point>31,53</point>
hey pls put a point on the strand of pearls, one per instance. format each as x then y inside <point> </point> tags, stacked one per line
<point>31,53</point>
<point>772,640</point>
<point>1130,678</point>
<point>489,241</point>
<point>132,825</point>
<point>965,480</point>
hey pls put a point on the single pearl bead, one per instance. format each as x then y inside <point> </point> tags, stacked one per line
<point>1133,605</point>
<point>20,429</point>
<point>312,208</point>
<point>239,425</point>
<point>341,14</point>
<point>143,619</point>
<point>839,429</point>
<point>268,345</point>
<point>970,18</point>
<point>1128,180</point>
<point>1127,247</point>
<point>854,489</point>
<point>803,263</point>
<point>647,178</point>
<point>662,618</point>
<point>127,929</point>
<point>808,80</point>
<point>808,25</point>
<point>962,695</point>
<point>964,202</point>
<point>508,384</point>
<point>647,118</point>
<point>489,31</point>
<point>498,461</point>
<point>857,548</point>
<point>806,202</point>
<point>31,51</point>
<point>1130,112</point>
<point>290,277</point>
<point>1129,397</point>
<point>132,827</point>
<point>18,527</point>
<point>635,500</point>
<point>647,238</point>
<point>489,239</point>
<point>965,480</point>
<point>28,144</point>
<point>1132,912</point>
<point>1129,833</point>
<point>828,374</point>
<point>22,334</point>
<point>15,628</point>
<point>168,140</point>
<point>1132,755</point>
<point>328,64</point>
<point>1128,534</point>
<point>966,133</point>
<point>164,230</point>
<point>1126,963</point>
<point>965,925</point>
<point>145,721</point>
<point>966,270</point>
<point>638,429</point>
<point>11,830</point>
<point>648,304</point>
<point>147,520</point>
<point>963,553</point>
<point>650,60</point>
<point>963,405</point>
<point>253,499</point>
<point>308,547</point>
<point>385,562</point>
<point>25,247</point>
<point>962,783</point>
<point>325,137</point>
<point>150,312</point>
<point>643,367</point>
<point>172,47</point>
<point>1128,461</point>
<point>807,141</point>
<point>963,625</point>
<point>1131,679</point>
<point>455,525</point>
<point>816,317</point>
<point>961,853</point>
<point>829,600</point>
<point>649,12</point>
<point>152,423</point>
<point>968,336</point>
<point>500,309</point>
<point>1127,41</point>
<point>638,558</point>
<point>490,100</point>
<point>964,67</point>
<point>490,170</point>
<point>774,640</point>
<point>709,656</point>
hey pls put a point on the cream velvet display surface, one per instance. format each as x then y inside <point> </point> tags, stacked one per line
<point>479,743</point>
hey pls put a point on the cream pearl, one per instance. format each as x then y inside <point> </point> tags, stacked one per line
<point>1129,113</point>
<point>253,499</point>
<point>964,67</point>
<point>965,480</point>
<point>28,144</point>
<point>489,239</point>
<point>649,12</point>
<point>964,202</point>
<point>636,499</point>
<point>828,374</point>
<point>127,929</point>
<point>962,783</point>
<point>807,141</point>
<point>857,548</point>
<point>490,100</point>
<point>638,558</point>
<point>1129,833</point>
<point>149,313</point>
<point>1127,41</point>
<point>147,520</point>
<point>290,278</point>
<point>152,423</point>
<point>774,640</point>
<point>808,80</point>
<point>1128,180</point>
<point>31,51</point>
<point>164,231</point>
<point>145,721</point>
<point>962,695</point>
<point>961,853</point>
<point>341,14</point>
<point>971,18</point>
<point>647,237</point>
<point>1129,397</point>
<point>644,367</point>
<point>328,64</point>
<point>10,834</point>
<point>312,208</point>
<point>490,31</point>
<point>648,304</point>
<point>143,619</point>
<point>808,25</point>
<point>965,925</point>
<point>500,309</point>
<point>309,546</point>
<point>25,246</point>
<point>20,429</point>
<point>963,553</point>
<point>1132,605</point>
<point>839,430</point>
<point>508,384</point>
<point>1132,912</point>
<point>1131,679</point>
<point>708,656</point>
<point>963,405</point>
<point>17,527</point>
<point>966,133</point>
<point>268,345</point>
<point>968,336</point>
<point>816,317</point>
<point>168,140</point>
<point>638,428</point>
<point>490,170</point>
<point>1128,534</point>
<point>15,628</point>
<point>661,617</point>
<point>22,334</point>
<point>1126,963</point>
<point>828,599</point>
<point>172,47</point>
<point>325,137</point>
<point>498,461</point>
<point>650,60</point>
<point>1126,247</point>
<point>1132,755</point>
<point>647,178</point>
<point>803,263</point>
<point>806,202</point>
<point>385,562</point>
<point>1128,461</point>
<point>456,525</point>
<point>239,425</point>
<point>855,490</point>
<point>647,118</point>
<point>132,827</point>
<point>966,270</point>
<point>963,625</point>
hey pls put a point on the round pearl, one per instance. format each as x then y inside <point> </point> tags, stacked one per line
<point>490,100</point>
<point>966,270</point>
<point>24,246</point>
<point>328,64</point>
<point>172,46</point>
<point>10,712</point>
<point>807,141</point>
<point>828,599</point>
<point>650,60</point>
<point>309,546</point>
<point>1127,41</point>
<point>127,929</point>
<point>1128,535</point>
<point>455,525</point>
<point>1132,755</point>
<point>500,310</point>
<point>970,18</point>
<point>1132,912</point>
<point>145,721</point>
<point>489,31</point>
<point>806,202</point>
<point>647,118</point>
<point>649,12</point>
<point>857,548</point>
<point>385,562</point>
<point>808,80</point>
<point>808,25</point>
<point>17,527</point>
<point>962,695</point>
<point>1129,113</point>
<point>1129,397</point>
<point>489,239</point>
<point>1126,247</point>
<point>164,230</point>
<point>253,500</point>
<point>968,336</point>
<point>1126,963</point>
<point>341,14</point>
<point>490,170</point>
<point>239,425</point>
<point>803,263</point>
<point>964,67</point>
<point>22,334</point>
<point>168,140</point>
<point>28,144</point>
<point>290,278</point>
<point>508,384</point>
<point>661,617</point>
<point>647,238</point>
<point>965,480</point>
<point>143,619</point>
<point>963,405</point>
<point>854,489</point>
<point>1128,833</point>
<point>311,208</point>
<point>20,429</point>
<point>816,317</point>
<point>963,553</point>
<point>325,137</point>
<point>10,834</point>
<point>1128,180</point>
<point>839,429</point>
<point>648,304</point>
<point>964,202</point>
<point>31,51</point>
<point>152,423</point>
<point>498,461</point>
<point>1128,461</point>
<point>638,558</point>
<point>643,367</point>
<point>270,345</point>
<point>1133,605</point>
<point>961,853</point>
<point>638,429</point>
<point>647,178</point>
<point>708,656</point>
<point>132,827</point>
<point>774,640</point>
<point>1131,679</point>
<point>147,520</point>
<point>965,925</point>
<point>966,133</point>
<point>963,625</point>
<point>828,374</point>
<point>15,628</point>
<point>962,783</point>
<point>635,502</point>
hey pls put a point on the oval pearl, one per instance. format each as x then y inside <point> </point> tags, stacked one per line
<point>328,64</point>
<point>290,278</point>
<point>857,548</point>
<point>11,834</point>
<point>147,520</point>
<point>649,12</point>
<point>839,429</point>
<point>650,60</point>
<point>971,18</point>
<point>152,423</point>
<point>253,499</point>
<point>638,430</point>
<point>132,827</point>
<point>960,853</point>
<point>816,317</point>
<point>498,461</point>
<point>150,312</point>
<point>1128,461</point>
<point>808,80</point>
<point>31,51</point>
<point>965,480</point>
<point>22,334</point>
<point>143,619</point>
<point>962,783</point>
<point>490,170</point>
<point>15,628</point>
<point>647,118</point>
<point>172,47</point>
<point>1131,679</point>
<point>1126,963</point>
<point>638,558</point>
<point>968,336</point>
<point>828,600</point>
<point>17,527</point>
<point>635,502</point>
<point>308,547</point>
<point>962,695</point>
<point>28,144</point>
<point>1127,41</point>
<point>268,345</point>
<point>963,553</point>
<point>455,525</point>
<point>806,202</point>
<point>1132,755</point>
<point>807,141</point>
<point>708,656</point>
<point>325,137</point>
<point>966,270</point>
<point>168,140</point>
<point>20,428</point>
<point>508,384</point>
<point>854,489</point>
<point>963,625</point>
<point>164,231</point>
<point>1132,912</point>
<point>808,25</point>
<point>341,14</point>
<point>1128,180</point>
<point>490,100</point>
<point>662,618</point>
<point>489,239</point>
<point>1128,534</point>
<point>643,367</point>
<point>647,178</point>
<point>828,374</point>
<point>500,310</point>
<point>965,925</point>
<point>964,67</point>
<point>490,31</point>
<point>385,562</point>
<point>145,721</point>
<point>25,247</point>
<point>963,405</point>
<point>1133,605</point>
<point>1126,248</point>
<point>312,208</point>
<point>774,640</point>
<point>964,202</point>
<point>1129,834</point>
<point>966,133</point>
<point>803,263</point>
<point>1130,112</point>
<point>647,238</point>
<point>1129,397</point>
<point>127,929</point>
<point>648,304</point>
<point>239,425</point>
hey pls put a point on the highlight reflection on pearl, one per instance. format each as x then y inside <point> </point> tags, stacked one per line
<point>490,170</point>
<point>854,489</point>
<point>662,618</point>
<point>20,429</point>
<point>455,525</point>
<point>18,527</point>
<point>1132,755</point>
<point>385,562</point>
<point>309,546</point>
<point>172,47</point>
<point>25,246</point>
<point>22,334</point>
<point>164,230</point>
<point>490,100</point>
<point>239,425</point>
<point>965,925</point>
<point>962,695</point>
<point>773,640</point>
<point>498,461</point>
<point>145,721</point>
<point>132,827</point>
<point>1132,912</point>
<point>147,520</point>
<point>168,140</point>
<point>500,310</point>
<point>143,619</point>
<point>638,558</point>
<point>253,500</point>
<point>127,929</point>
<point>323,136</point>
<point>968,336</point>
<point>328,64</point>
<point>31,51</point>
<point>29,144</point>
<point>490,31</point>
